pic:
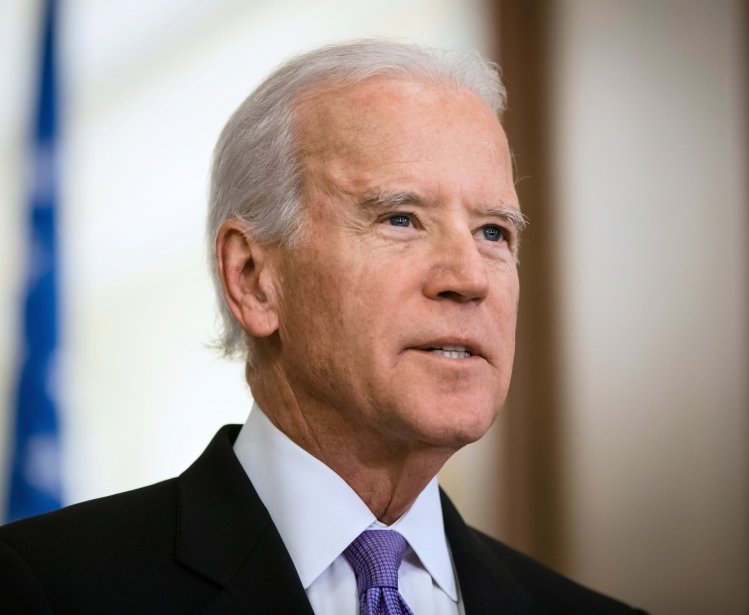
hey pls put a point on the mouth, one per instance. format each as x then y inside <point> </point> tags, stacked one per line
<point>451,351</point>
<point>455,348</point>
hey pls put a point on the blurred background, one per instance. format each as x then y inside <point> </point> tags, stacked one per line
<point>622,457</point>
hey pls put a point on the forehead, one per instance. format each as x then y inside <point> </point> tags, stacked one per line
<point>384,110</point>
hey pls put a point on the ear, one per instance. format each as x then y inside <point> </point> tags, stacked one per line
<point>245,268</point>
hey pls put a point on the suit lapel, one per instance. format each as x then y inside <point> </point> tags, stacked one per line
<point>486,584</point>
<point>225,534</point>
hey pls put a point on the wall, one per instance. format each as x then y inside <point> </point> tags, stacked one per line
<point>650,152</point>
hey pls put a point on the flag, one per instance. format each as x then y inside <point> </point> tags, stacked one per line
<point>35,462</point>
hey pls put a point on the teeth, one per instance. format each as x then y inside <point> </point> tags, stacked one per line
<point>452,352</point>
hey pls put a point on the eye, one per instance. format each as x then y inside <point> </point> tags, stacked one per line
<point>399,220</point>
<point>493,232</point>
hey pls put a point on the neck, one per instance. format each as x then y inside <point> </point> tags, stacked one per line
<point>387,473</point>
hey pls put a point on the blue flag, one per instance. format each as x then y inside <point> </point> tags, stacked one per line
<point>35,463</point>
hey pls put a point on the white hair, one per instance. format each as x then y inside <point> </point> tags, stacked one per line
<point>257,175</point>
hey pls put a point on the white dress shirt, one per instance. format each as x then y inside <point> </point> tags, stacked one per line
<point>318,515</point>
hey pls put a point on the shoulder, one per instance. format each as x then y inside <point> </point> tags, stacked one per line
<point>492,573</point>
<point>550,591</point>
<point>112,543</point>
<point>160,549</point>
<point>115,520</point>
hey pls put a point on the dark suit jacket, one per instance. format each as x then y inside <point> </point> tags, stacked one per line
<point>204,543</point>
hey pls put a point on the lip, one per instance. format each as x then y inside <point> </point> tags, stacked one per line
<point>470,344</point>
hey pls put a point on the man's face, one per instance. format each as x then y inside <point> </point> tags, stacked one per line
<point>398,307</point>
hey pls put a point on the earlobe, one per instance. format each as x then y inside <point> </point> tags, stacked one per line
<point>245,267</point>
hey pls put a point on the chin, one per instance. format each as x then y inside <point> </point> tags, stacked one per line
<point>461,428</point>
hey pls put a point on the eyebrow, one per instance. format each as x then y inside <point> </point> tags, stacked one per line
<point>398,198</point>
<point>388,199</point>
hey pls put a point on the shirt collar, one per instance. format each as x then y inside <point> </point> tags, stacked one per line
<point>318,514</point>
<point>423,528</point>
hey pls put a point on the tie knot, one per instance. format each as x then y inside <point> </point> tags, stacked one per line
<point>375,557</point>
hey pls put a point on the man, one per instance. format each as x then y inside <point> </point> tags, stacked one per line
<point>366,232</point>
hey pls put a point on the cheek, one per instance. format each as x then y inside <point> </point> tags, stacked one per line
<point>505,312</point>
<point>512,290</point>
<point>319,307</point>
<point>309,310</point>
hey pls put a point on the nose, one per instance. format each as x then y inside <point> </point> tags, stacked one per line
<point>457,271</point>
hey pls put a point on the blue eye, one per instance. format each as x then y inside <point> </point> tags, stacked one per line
<point>493,233</point>
<point>399,220</point>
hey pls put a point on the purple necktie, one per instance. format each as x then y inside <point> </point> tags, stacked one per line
<point>375,557</point>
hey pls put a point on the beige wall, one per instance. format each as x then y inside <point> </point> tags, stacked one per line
<point>650,151</point>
